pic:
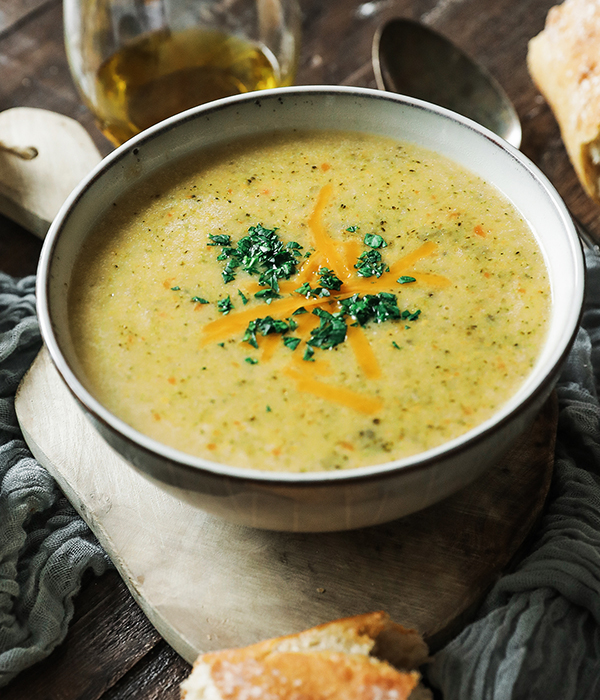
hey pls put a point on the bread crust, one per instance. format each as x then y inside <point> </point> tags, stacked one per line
<point>564,63</point>
<point>329,661</point>
<point>310,675</point>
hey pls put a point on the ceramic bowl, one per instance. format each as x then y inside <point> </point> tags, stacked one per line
<point>321,501</point>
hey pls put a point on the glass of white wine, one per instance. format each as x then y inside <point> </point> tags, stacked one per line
<point>136,62</point>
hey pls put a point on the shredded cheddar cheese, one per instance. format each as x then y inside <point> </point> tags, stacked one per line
<point>345,397</point>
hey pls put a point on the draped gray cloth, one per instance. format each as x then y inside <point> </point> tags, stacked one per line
<point>537,635</point>
<point>45,547</point>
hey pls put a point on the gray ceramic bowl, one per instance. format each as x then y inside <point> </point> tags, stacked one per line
<point>345,499</point>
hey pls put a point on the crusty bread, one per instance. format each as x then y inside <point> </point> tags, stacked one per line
<point>564,62</point>
<point>357,658</point>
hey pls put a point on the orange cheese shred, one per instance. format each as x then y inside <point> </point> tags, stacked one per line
<point>319,368</point>
<point>322,242</point>
<point>430,279</point>
<point>365,357</point>
<point>268,345</point>
<point>351,252</point>
<point>345,397</point>
<point>235,322</point>
<point>306,322</point>
<point>226,326</point>
<point>385,283</point>
<point>309,268</point>
<point>409,260</point>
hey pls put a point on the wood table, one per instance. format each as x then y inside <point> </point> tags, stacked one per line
<point>111,650</point>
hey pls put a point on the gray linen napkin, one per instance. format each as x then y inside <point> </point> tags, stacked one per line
<point>538,632</point>
<point>45,547</point>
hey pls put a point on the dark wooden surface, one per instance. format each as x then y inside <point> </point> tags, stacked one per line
<point>112,651</point>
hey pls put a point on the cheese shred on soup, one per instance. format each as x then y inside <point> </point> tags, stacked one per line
<point>309,301</point>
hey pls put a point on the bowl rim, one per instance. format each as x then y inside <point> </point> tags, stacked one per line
<point>196,465</point>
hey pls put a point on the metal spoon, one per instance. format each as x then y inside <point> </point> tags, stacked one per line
<point>412,59</point>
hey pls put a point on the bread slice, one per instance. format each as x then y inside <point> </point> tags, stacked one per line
<point>564,62</point>
<point>356,658</point>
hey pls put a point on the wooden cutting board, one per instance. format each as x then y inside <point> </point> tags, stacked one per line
<point>207,584</point>
<point>43,156</point>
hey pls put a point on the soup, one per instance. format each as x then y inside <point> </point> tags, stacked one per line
<point>309,301</point>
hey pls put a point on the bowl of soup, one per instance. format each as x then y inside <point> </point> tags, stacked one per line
<point>313,308</point>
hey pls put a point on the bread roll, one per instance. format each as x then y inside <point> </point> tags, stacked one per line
<point>564,62</point>
<point>350,658</point>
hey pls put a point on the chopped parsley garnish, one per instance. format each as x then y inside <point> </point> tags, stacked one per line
<point>369,263</point>
<point>308,354</point>
<point>304,289</point>
<point>377,307</point>
<point>331,331</point>
<point>268,295</point>
<point>300,310</point>
<point>228,273</point>
<point>352,229</point>
<point>250,360</point>
<point>225,305</point>
<point>395,344</point>
<point>261,252</point>
<point>411,315</point>
<point>175,289</point>
<point>384,306</point>
<point>264,326</point>
<point>245,299</point>
<point>201,300</point>
<point>329,279</point>
<point>374,240</point>
<point>405,279</point>
<point>291,342</point>
<point>220,239</point>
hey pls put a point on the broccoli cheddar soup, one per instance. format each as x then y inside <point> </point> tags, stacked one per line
<point>309,301</point>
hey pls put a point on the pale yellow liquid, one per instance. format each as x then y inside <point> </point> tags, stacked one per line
<point>165,72</point>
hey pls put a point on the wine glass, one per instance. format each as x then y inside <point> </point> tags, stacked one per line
<point>136,62</point>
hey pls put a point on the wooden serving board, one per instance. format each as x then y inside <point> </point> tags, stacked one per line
<point>43,156</point>
<point>207,584</point>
